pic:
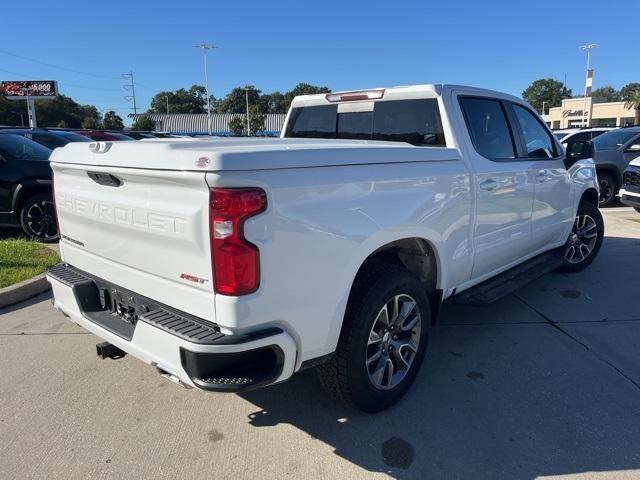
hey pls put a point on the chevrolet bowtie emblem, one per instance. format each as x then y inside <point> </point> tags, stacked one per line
<point>100,147</point>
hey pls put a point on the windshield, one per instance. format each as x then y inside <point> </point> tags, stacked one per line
<point>20,148</point>
<point>411,121</point>
<point>73,137</point>
<point>613,140</point>
<point>559,135</point>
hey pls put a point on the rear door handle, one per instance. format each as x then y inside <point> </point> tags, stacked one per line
<point>489,185</point>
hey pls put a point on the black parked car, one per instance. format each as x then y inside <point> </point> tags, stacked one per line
<point>25,187</point>
<point>613,152</point>
<point>49,138</point>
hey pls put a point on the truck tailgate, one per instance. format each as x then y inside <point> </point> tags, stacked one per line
<point>143,229</point>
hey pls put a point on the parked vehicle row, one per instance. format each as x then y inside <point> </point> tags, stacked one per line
<point>231,265</point>
<point>26,198</point>
<point>614,148</point>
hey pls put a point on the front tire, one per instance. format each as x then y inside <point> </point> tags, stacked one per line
<point>383,339</point>
<point>608,187</point>
<point>38,218</point>
<point>585,239</point>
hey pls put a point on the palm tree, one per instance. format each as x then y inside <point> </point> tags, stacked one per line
<point>632,102</point>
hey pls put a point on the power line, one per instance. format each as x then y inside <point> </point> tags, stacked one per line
<point>51,65</point>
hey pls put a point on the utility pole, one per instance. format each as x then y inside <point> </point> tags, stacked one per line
<point>588,81</point>
<point>130,87</point>
<point>246,96</point>
<point>543,104</point>
<point>167,99</point>
<point>205,48</point>
<point>31,109</point>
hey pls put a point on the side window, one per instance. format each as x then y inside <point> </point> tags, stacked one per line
<point>488,128</point>
<point>582,137</point>
<point>413,121</point>
<point>538,141</point>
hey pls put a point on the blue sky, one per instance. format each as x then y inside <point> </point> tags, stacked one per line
<point>503,45</point>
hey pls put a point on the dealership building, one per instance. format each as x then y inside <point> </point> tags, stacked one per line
<point>598,113</point>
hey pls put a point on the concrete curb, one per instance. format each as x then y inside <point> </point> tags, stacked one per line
<point>23,290</point>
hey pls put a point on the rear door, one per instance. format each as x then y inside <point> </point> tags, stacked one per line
<point>504,185</point>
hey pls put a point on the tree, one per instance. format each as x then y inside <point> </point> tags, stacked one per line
<point>89,123</point>
<point>273,103</point>
<point>143,123</point>
<point>193,100</point>
<point>112,121</point>
<point>546,90</point>
<point>236,100</point>
<point>49,113</point>
<point>627,92</point>
<point>238,124</point>
<point>631,96</point>
<point>609,93</point>
<point>302,89</point>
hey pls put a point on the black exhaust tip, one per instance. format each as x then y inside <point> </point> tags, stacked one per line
<point>106,350</point>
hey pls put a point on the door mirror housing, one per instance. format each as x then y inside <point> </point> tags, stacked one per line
<point>634,147</point>
<point>577,150</point>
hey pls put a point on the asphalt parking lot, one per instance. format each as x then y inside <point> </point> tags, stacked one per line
<point>544,383</point>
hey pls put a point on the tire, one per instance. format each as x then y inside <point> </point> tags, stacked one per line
<point>38,218</point>
<point>608,189</point>
<point>581,247</point>
<point>364,341</point>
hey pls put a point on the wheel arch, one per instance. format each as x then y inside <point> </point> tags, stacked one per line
<point>419,256</point>
<point>28,188</point>
<point>590,195</point>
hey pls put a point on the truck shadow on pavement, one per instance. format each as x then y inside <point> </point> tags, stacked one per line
<point>544,382</point>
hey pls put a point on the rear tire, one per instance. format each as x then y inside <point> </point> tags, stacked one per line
<point>585,239</point>
<point>38,218</point>
<point>383,339</point>
<point>608,188</point>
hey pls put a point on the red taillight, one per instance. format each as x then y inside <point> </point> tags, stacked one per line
<point>236,262</point>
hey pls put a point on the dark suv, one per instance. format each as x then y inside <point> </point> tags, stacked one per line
<point>25,187</point>
<point>49,138</point>
<point>613,152</point>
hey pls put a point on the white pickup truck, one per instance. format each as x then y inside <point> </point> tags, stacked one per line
<point>230,264</point>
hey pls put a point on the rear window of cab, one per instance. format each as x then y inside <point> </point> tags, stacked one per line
<point>416,122</point>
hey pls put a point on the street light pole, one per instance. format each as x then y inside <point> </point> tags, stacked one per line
<point>205,48</point>
<point>588,48</point>
<point>246,96</point>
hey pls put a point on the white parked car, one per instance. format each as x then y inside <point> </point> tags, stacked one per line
<point>230,265</point>
<point>630,191</point>
<point>580,134</point>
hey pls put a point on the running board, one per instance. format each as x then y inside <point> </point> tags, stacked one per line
<point>502,285</point>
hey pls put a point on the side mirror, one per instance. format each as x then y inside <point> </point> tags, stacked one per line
<point>634,147</point>
<point>577,150</point>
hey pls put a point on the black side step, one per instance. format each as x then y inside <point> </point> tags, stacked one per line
<point>501,285</point>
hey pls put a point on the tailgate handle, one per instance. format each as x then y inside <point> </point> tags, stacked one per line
<point>104,178</point>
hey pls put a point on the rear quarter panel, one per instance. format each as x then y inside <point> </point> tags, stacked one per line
<point>322,223</point>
